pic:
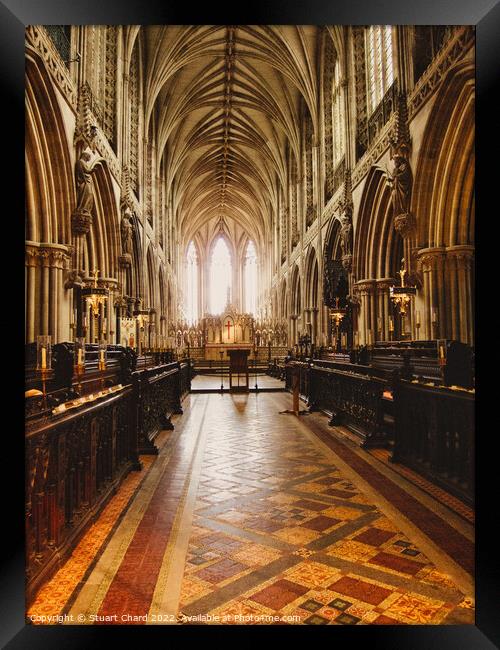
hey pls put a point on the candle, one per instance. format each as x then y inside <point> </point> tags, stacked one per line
<point>101,353</point>
<point>370,337</point>
<point>417,318</point>
<point>391,324</point>
<point>434,317</point>
<point>80,356</point>
<point>379,324</point>
<point>44,358</point>
<point>441,352</point>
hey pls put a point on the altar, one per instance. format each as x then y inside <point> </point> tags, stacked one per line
<point>230,330</point>
<point>213,350</point>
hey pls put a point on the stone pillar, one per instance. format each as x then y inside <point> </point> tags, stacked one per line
<point>464,256</point>
<point>383,307</point>
<point>366,290</point>
<point>44,289</point>
<point>432,264</point>
<point>31,316</point>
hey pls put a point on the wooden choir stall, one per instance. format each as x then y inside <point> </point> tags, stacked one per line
<point>84,434</point>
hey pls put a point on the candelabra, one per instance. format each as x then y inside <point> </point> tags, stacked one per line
<point>44,363</point>
<point>401,296</point>
<point>336,315</point>
<point>79,361</point>
<point>102,360</point>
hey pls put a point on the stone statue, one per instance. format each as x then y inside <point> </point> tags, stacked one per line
<point>401,181</point>
<point>84,182</point>
<point>346,235</point>
<point>126,227</point>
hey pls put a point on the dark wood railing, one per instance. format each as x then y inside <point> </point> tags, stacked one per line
<point>77,457</point>
<point>74,462</point>
<point>158,393</point>
<point>353,400</point>
<point>434,435</point>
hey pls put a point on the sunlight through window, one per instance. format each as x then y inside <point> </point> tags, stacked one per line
<point>192,284</point>
<point>250,279</point>
<point>220,276</point>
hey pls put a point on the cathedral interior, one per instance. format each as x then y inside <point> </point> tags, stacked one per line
<point>249,359</point>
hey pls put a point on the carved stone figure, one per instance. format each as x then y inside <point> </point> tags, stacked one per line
<point>126,227</point>
<point>84,182</point>
<point>346,235</point>
<point>401,181</point>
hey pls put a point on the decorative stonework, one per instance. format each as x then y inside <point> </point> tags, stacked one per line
<point>431,259</point>
<point>379,146</point>
<point>346,228</point>
<point>405,224</point>
<point>458,45</point>
<point>133,88</point>
<point>283,228</point>
<point>90,135</point>
<point>51,255</point>
<point>81,222</point>
<point>308,168</point>
<point>360,90</point>
<point>293,205</point>
<point>37,37</point>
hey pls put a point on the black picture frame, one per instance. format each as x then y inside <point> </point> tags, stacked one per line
<point>14,16</point>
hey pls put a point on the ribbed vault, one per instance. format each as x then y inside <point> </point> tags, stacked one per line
<point>224,101</point>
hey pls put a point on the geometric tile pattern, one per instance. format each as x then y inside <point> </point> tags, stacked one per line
<point>431,488</point>
<point>279,533</point>
<point>311,547</point>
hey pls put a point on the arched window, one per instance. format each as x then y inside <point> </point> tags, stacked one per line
<point>379,63</point>
<point>221,274</point>
<point>192,284</point>
<point>250,279</point>
<point>334,119</point>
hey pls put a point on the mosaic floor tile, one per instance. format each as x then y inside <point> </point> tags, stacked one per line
<point>298,541</point>
<point>279,594</point>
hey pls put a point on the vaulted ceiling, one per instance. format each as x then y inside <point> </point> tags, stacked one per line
<point>223,101</point>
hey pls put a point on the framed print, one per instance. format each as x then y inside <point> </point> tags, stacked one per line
<point>250,332</point>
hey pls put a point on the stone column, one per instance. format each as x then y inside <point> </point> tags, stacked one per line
<point>366,290</point>
<point>31,316</point>
<point>383,307</point>
<point>432,264</point>
<point>464,256</point>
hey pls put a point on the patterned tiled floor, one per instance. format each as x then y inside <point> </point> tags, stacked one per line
<point>213,381</point>
<point>252,517</point>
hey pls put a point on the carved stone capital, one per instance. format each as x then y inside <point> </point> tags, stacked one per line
<point>366,286</point>
<point>111,284</point>
<point>31,256</point>
<point>384,284</point>
<point>405,224</point>
<point>463,254</point>
<point>48,255</point>
<point>81,222</point>
<point>431,259</point>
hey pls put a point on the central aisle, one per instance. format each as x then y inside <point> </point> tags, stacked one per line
<point>248,516</point>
